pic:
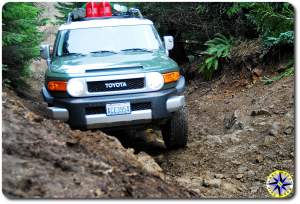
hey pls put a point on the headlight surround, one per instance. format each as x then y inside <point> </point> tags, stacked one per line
<point>75,87</point>
<point>154,81</point>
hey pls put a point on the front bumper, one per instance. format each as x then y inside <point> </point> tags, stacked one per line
<point>73,110</point>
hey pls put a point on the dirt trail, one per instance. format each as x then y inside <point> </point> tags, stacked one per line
<point>240,132</point>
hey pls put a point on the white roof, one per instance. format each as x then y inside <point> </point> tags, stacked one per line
<point>105,23</point>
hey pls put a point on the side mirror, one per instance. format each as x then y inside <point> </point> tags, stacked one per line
<point>169,42</point>
<point>45,51</point>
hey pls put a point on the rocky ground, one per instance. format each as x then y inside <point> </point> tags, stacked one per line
<point>239,132</point>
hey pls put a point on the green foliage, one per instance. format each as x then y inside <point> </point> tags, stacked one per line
<point>273,21</point>
<point>65,8</point>
<point>20,39</point>
<point>288,72</point>
<point>283,38</point>
<point>217,48</point>
<point>237,8</point>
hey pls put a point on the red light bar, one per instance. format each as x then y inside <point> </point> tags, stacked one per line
<point>100,9</point>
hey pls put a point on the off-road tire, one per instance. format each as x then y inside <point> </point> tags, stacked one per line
<point>175,131</point>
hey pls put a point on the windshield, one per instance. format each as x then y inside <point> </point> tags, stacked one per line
<point>108,39</point>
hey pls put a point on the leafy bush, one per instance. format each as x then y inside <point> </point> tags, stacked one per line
<point>20,40</point>
<point>273,21</point>
<point>217,48</point>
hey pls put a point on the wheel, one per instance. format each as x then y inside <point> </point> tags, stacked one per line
<point>175,131</point>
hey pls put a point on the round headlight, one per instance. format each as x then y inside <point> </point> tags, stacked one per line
<point>155,81</point>
<point>75,87</point>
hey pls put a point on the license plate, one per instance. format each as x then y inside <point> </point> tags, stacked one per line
<point>118,109</point>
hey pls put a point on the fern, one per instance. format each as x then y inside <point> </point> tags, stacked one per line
<point>217,48</point>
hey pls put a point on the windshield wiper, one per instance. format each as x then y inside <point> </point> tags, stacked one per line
<point>104,51</point>
<point>75,54</point>
<point>138,49</point>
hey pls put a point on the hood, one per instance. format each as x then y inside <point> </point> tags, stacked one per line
<point>97,62</point>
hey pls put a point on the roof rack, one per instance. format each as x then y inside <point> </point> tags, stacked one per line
<point>78,14</point>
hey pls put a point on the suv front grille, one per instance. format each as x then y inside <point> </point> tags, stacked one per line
<point>102,110</point>
<point>116,85</point>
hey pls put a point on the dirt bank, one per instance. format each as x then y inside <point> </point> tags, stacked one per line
<point>44,158</point>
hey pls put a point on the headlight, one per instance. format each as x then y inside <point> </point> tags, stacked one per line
<point>155,81</point>
<point>75,87</point>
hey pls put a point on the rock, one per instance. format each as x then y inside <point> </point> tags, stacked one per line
<point>239,176</point>
<point>234,138</point>
<point>289,116</point>
<point>230,120</point>
<point>219,176</point>
<point>195,163</point>
<point>274,129</point>
<point>259,158</point>
<point>253,147</point>
<point>72,142</point>
<point>98,192</point>
<point>205,183</point>
<point>229,187</point>
<point>260,112</point>
<point>130,150</point>
<point>242,169</point>
<point>214,139</point>
<point>250,173</point>
<point>215,183</point>
<point>240,126</point>
<point>236,162</point>
<point>288,130</point>
<point>184,181</point>
<point>254,189</point>
<point>269,140</point>
<point>149,164</point>
<point>76,181</point>
<point>249,129</point>
<point>257,72</point>
<point>195,182</point>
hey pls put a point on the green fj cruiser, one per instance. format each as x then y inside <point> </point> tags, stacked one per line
<point>114,73</point>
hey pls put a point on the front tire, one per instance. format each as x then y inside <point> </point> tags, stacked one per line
<point>175,131</point>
